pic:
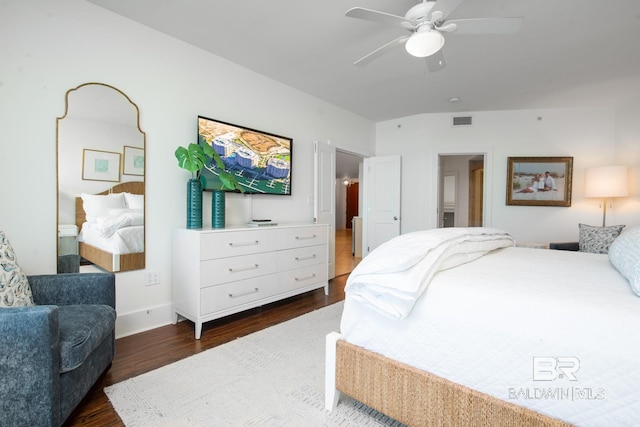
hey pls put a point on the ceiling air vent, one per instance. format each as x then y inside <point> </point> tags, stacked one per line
<point>462,121</point>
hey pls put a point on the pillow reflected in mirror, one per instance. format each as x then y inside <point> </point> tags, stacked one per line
<point>96,206</point>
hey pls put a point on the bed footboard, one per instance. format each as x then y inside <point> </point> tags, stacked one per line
<point>418,398</point>
<point>109,261</point>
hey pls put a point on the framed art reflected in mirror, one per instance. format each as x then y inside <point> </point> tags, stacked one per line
<point>133,162</point>
<point>100,165</point>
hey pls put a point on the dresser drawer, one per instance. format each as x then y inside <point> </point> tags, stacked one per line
<point>217,271</point>
<point>230,295</point>
<point>221,245</point>
<point>291,259</point>
<point>297,237</point>
<point>301,277</point>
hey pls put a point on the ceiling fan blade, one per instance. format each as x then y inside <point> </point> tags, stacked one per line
<point>377,16</point>
<point>435,62</point>
<point>381,51</point>
<point>445,6</point>
<point>485,25</point>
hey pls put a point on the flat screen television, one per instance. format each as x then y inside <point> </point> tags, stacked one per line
<point>260,161</point>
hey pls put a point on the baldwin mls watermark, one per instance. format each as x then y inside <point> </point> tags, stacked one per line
<point>553,368</point>
<point>546,370</point>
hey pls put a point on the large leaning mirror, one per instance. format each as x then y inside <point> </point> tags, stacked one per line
<point>101,181</point>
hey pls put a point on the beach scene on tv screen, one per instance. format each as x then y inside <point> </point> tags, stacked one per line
<point>260,162</point>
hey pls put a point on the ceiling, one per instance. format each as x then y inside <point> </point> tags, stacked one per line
<point>568,52</point>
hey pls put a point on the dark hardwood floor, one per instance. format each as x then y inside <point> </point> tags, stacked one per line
<point>143,352</point>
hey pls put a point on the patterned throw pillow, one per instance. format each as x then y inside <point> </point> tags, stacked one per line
<point>597,239</point>
<point>624,255</point>
<point>14,287</point>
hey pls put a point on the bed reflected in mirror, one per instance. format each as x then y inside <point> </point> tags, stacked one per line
<point>101,182</point>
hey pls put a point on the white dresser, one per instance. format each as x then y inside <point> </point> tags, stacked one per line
<point>217,272</point>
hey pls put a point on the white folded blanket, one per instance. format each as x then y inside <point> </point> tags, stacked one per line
<point>394,275</point>
<point>119,218</point>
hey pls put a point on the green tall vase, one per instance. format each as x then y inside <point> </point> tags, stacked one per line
<point>194,204</point>
<point>217,209</point>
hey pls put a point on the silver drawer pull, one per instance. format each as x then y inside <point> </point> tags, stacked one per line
<point>244,293</point>
<point>302,258</point>
<point>255,242</point>
<point>245,268</point>
<point>300,279</point>
<point>313,236</point>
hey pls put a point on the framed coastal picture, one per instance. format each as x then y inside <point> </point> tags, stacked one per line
<point>539,181</point>
<point>133,163</point>
<point>100,165</point>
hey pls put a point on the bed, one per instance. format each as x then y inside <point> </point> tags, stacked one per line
<point>460,327</point>
<point>111,225</point>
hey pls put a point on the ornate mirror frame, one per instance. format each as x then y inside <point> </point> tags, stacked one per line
<point>100,154</point>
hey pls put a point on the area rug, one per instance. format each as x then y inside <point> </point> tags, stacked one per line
<point>274,377</point>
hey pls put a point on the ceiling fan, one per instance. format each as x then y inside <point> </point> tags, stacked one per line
<point>426,23</point>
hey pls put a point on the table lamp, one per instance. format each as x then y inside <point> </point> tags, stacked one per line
<point>606,182</point>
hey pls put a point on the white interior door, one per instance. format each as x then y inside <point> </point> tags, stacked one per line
<point>381,194</point>
<point>325,195</point>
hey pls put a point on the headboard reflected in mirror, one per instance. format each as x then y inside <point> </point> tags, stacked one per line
<point>101,181</point>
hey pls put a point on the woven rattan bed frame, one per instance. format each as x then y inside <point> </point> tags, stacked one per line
<point>415,397</point>
<point>107,260</point>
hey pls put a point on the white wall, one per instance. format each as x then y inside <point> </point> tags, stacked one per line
<point>592,136</point>
<point>50,46</point>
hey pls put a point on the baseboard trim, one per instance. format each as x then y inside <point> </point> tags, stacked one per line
<point>143,320</point>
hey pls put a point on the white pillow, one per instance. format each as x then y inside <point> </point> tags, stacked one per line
<point>624,255</point>
<point>96,205</point>
<point>134,201</point>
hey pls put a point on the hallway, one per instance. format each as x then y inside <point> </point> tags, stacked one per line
<point>345,261</point>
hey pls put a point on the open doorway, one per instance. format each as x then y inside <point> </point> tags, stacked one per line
<point>461,190</point>
<point>348,222</point>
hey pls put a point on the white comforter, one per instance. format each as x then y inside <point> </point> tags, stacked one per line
<point>482,324</point>
<point>395,274</point>
<point>118,218</point>
<point>126,240</point>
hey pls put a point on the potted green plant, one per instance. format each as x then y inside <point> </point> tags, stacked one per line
<point>193,158</point>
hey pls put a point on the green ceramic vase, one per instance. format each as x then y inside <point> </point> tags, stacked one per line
<point>217,209</point>
<point>194,204</point>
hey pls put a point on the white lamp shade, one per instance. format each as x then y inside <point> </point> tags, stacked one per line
<point>606,181</point>
<point>424,42</point>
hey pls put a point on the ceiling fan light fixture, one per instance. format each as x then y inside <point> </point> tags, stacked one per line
<point>424,42</point>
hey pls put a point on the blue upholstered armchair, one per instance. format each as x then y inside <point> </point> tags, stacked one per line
<point>51,354</point>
